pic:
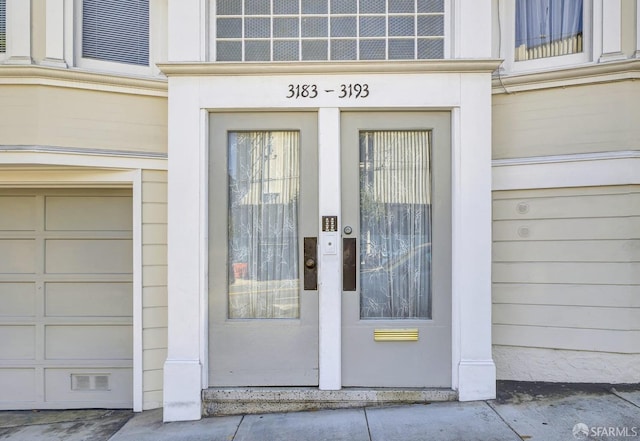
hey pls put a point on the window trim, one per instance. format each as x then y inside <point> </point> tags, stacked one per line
<point>507,24</point>
<point>73,45</point>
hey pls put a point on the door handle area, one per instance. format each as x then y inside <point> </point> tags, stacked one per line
<point>349,259</point>
<point>310,267</point>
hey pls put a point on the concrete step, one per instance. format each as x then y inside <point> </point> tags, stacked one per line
<point>252,400</point>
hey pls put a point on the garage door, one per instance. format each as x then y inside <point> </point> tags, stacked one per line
<point>65,299</point>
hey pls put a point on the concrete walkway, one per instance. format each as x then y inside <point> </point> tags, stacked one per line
<point>523,411</point>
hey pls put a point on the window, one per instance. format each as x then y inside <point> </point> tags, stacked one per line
<point>3,26</point>
<point>116,31</point>
<point>548,28</point>
<point>312,30</point>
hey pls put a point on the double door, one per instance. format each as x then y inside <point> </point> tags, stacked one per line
<point>393,235</point>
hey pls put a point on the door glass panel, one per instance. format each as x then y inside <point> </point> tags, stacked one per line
<point>395,225</point>
<point>263,224</point>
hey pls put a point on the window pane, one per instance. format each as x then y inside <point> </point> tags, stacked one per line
<point>257,50</point>
<point>3,25</point>
<point>228,7</point>
<point>314,50</point>
<point>285,7</point>
<point>373,26</point>
<point>548,28</point>
<point>314,6</point>
<point>315,27</point>
<point>431,25</point>
<point>229,51</point>
<point>373,6</point>
<point>344,6</point>
<point>285,27</point>
<point>395,225</point>
<point>116,31</point>
<point>263,224</point>
<point>401,6</point>
<point>401,26</point>
<point>372,50</point>
<point>344,27</point>
<point>430,5</point>
<point>257,27</point>
<point>229,27</point>
<point>430,49</point>
<point>286,50</point>
<point>257,7</point>
<point>344,50</point>
<point>401,49</point>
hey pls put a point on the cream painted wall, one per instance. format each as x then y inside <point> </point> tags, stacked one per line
<point>38,29</point>
<point>577,119</point>
<point>82,118</point>
<point>154,284</point>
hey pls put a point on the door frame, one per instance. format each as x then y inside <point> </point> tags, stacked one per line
<point>461,87</point>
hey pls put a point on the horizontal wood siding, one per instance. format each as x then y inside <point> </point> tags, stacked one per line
<point>566,268</point>
<point>154,285</point>
<point>86,119</point>
<point>557,121</point>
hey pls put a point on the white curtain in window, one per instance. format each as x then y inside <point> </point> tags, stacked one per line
<point>263,224</point>
<point>395,225</point>
<point>546,28</point>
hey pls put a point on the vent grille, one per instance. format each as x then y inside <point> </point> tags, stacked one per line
<point>84,382</point>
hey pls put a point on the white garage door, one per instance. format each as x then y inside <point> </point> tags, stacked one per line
<point>65,298</point>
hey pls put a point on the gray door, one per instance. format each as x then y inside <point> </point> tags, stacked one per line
<point>65,298</point>
<point>263,328</point>
<point>396,209</point>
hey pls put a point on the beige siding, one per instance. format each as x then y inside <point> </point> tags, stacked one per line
<point>87,119</point>
<point>579,119</point>
<point>566,269</point>
<point>154,281</point>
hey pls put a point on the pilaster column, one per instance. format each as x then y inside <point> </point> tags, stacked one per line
<point>18,32</point>
<point>54,44</point>
<point>611,31</point>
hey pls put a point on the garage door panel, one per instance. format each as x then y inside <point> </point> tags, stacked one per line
<point>99,386</point>
<point>17,385</point>
<point>17,299</point>
<point>95,342</point>
<point>88,299</point>
<point>66,298</point>
<point>17,256</point>
<point>90,256</point>
<point>17,213</point>
<point>17,342</point>
<point>80,213</point>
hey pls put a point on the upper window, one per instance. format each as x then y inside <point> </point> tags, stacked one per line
<point>312,30</point>
<point>116,31</point>
<point>3,26</point>
<point>548,28</point>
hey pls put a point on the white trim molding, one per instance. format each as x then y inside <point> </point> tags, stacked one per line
<point>578,170</point>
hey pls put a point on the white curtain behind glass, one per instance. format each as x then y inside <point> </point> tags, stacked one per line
<point>546,28</point>
<point>263,224</point>
<point>395,225</point>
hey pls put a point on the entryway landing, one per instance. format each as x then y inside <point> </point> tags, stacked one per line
<point>252,400</point>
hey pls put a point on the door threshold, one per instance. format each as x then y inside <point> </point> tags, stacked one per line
<point>219,401</point>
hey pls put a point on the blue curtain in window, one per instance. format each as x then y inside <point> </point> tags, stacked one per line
<point>539,22</point>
